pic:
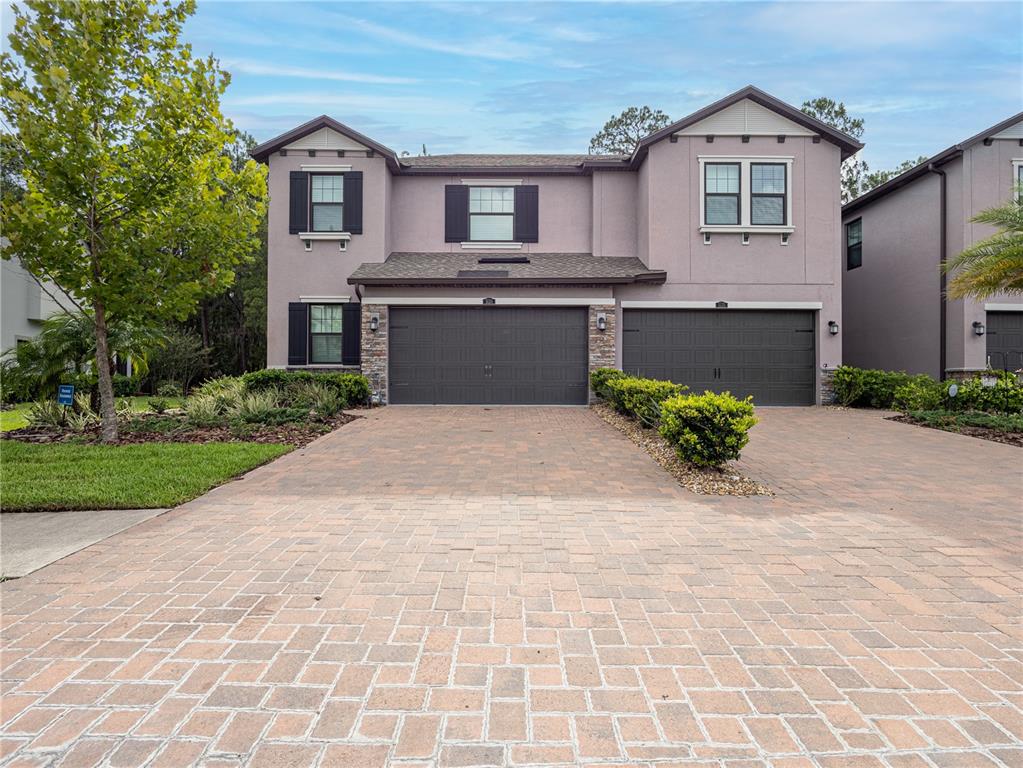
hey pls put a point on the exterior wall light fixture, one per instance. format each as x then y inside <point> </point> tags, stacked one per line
<point>374,322</point>
<point>832,327</point>
<point>601,322</point>
<point>978,328</point>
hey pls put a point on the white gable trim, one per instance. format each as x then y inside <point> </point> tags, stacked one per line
<point>326,139</point>
<point>1012,132</point>
<point>745,118</point>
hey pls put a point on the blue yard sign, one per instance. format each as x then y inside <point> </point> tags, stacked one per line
<point>65,394</point>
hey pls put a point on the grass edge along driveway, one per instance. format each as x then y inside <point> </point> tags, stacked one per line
<point>36,478</point>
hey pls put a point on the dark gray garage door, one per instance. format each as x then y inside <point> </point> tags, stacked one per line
<point>488,355</point>
<point>765,353</point>
<point>1005,340</point>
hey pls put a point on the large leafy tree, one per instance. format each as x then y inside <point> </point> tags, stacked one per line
<point>131,204</point>
<point>835,114</point>
<point>622,133</point>
<point>995,264</point>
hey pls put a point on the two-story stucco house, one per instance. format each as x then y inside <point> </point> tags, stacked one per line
<point>896,315</point>
<point>710,256</point>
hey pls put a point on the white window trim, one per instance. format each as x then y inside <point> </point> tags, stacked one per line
<point>500,245</point>
<point>745,196</point>
<point>324,299</point>
<point>492,182</point>
<point>1003,307</point>
<point>325,235</point>
<point>1016,163</point>
<point>326,168</point>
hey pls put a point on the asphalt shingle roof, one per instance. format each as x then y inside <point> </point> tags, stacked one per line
<point>541,268</point>
<point>505,161</point>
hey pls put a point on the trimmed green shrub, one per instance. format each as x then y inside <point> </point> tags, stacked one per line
<point>125,386</point>
<point>920,394</point>
<point>324,400</point>
<point>274,378</point>
<point>952,421</point>
<point>158,404</point>
<point>641,398</point>
<point>168,389</point>
<point>709,429</point>
<point>871,388</point>
<point>1006,396</point>
<point>600,378</point>
<point>351,388</point>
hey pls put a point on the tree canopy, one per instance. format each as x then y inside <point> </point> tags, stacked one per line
<point>131,203</point>
<point>622,132</point>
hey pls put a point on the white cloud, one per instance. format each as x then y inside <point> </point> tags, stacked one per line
<point>309,73</point>
<point>499,48</point>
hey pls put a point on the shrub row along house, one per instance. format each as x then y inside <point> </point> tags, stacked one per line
<point>895,312</point>
<point>711,256</point>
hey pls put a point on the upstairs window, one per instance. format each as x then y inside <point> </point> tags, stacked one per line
<point>327,198</point>
<point>1017,166</point>
<point>767,194</point>
<point>491,214</point>
<point>325,333</point>
<point>854,244</point>
<point>721,193</point>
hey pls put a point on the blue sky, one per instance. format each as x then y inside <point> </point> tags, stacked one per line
<point>516,77</point>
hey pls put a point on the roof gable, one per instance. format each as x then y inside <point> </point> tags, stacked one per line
<point>326,138</point>
<point>746,117</point>
<point>846,143</point>
<point>1011,132</point>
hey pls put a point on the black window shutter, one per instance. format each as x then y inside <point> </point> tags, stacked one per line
<point>456,213</point>
<point>527,214</point>
<point>298,220</point>
<point>298,333</point>
<point>351,332</point>
<point>353,202</point>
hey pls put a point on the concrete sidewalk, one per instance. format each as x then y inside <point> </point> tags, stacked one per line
<point>30,540</point>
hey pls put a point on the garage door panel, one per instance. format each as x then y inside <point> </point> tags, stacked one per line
<point>1005,340</point>
<point>488,355</point>
<point>768,354</point>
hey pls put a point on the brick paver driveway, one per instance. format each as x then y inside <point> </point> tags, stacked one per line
<point>523,586</point>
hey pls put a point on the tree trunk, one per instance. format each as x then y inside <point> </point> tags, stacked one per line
<point>107,412</point>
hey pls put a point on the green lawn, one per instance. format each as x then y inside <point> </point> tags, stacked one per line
<point>16,417</point>
<point>60,476</point>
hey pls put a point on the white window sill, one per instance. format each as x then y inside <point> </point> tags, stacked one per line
<point>752,229</point>
<point>498,246</point>
<point>325,235</point>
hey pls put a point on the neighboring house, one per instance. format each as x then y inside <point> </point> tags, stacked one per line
<point>710,256</point>
<point>896,315</point>
<point>25,304</point>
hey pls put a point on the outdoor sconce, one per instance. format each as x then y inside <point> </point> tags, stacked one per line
<point>601,322</point>
<point>832,327</point>
<point>374,322</point>
<point>978,328</point>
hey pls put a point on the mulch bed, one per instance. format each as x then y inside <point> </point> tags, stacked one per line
<point>984,433</point>
<point>710,482</point>
<point>135,432</point>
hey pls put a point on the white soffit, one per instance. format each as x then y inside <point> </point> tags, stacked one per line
<point>325,138</point>
<point>1012,132</point>
<point>746,118</point>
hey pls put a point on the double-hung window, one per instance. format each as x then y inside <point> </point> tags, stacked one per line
<point>1017,179</point>
<point>721,193</point>
<point>325,333</point>
<point>767,194</point>
<point>327,199</point>
<point>854,244</point>
<point>491,214</point>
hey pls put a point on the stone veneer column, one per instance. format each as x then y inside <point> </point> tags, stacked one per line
<point>601,343</point>
<point>827,386</point>
<point>374,350</point>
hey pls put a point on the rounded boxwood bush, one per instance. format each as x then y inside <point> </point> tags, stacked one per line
<point>641,398</point>
<point>709,429</point>
<point>600,377</point>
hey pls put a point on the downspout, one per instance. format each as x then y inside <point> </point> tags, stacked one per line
<point>942,259</point>
<point>358,293</point>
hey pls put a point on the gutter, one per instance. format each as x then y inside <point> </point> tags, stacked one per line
<point>942,260</point>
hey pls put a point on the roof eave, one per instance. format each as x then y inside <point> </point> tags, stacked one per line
<point>903,179</point>
<point>395,281</point>
<point>262,152</point>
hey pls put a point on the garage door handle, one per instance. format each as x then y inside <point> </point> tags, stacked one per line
<point>488,371</point>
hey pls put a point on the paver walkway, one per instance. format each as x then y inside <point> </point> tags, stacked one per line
<point>525,587</point>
